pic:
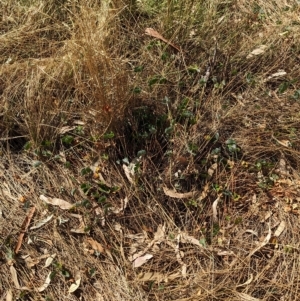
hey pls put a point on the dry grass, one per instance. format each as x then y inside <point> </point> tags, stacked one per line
<point>85,93</point>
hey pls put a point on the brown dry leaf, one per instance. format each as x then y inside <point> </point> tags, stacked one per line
<point>46,284</point>
<point>141,260</point>
<point>96,246</point>
<point>265,242</point>
<point>204,193</point>
<point>266,217</point>
<point>280,229</point>
<point>22,199</point>
<point>177,195</point>
<point>153,33</point>
<point>24,229</point>
<point>212,169</point>
<point>56,202</point>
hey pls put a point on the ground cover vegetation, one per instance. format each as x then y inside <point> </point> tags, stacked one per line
<point>149,150</point>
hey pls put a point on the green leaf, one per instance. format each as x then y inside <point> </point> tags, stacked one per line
<point>141,153</point>
<point>283,87</point>
<point>202,241</point>
<point>85,171</point>
<point>85,187</point>
<point>296,94</point>
<point>67,139</point>
<point>152,81</point>
<point>136,90</point>
<point>109,135</point>
<point>193,69</point>
<point>138,69</point>
<point>27,145</point>
<point>37,163</point>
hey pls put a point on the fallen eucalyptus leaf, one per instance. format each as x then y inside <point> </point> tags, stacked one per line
<point>74,286</point>
<point>42,222</point>
<point>259,50</point>
<point>141,260</point>
<point>14,277</point>
<point>177,195</point>
<point>153,33</point>
<point>49,260</point>
<point>9,295</point>
<point>128,173</point>
<point>56,202</point>
<point>265,242</point>
<point>280,229</point>
<point>45,285</point>
<point>214,208</point>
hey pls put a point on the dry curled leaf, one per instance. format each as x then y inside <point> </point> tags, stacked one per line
<point>153,33</point>
<point>74,286</point>
<point>56,202</point>
<point>247,282</point>
<point>265,242</point>
<point>82,227</point>
<point>46,284</point>
<point>177,195</point>
<point>212,169</point>
<point>214,208</point>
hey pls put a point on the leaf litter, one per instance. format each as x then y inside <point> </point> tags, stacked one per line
<point>57,202</point>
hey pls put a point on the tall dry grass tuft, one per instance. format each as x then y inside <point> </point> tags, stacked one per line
<point>57,67</point>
